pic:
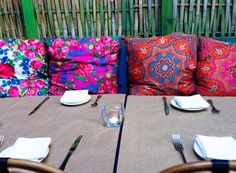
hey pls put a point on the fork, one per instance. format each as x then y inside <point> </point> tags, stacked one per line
<point>178,145</point>
<point>96,101</point>
<point>213,110</point>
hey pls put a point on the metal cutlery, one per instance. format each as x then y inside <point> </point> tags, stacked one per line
<point>1,140</point>
<point>39,105</point>
<point>213,110</point>
<point>96,101</point>
<point>166,107</point>
<point>178,145</point>
<point>72,149</point>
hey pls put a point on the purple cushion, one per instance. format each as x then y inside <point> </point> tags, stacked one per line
<point>88,63</point>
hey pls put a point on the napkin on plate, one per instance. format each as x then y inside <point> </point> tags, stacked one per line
<point>35,149</point>
<point>222,148</point>
<point>74,96</point>
<point>191,102</point>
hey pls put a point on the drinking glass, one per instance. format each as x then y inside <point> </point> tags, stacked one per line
<point>112,114</point>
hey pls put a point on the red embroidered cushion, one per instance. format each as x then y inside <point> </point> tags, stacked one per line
<point>162,65</point>
<point>216,71</point>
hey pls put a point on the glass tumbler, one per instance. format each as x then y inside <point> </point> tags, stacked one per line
<point>112,114</point>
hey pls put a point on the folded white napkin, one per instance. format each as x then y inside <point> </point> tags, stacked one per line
<point>223,148</point>
<point>28,148</point>
<point>74,96</point>
<point>191,102</point>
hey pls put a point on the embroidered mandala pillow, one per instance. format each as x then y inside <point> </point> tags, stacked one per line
<point>162,65</point>
<point>22,60</point>
<point>88,63</point>
<point>216,71</point>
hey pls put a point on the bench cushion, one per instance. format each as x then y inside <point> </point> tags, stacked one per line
<point>87,63</point>
<point>162,65</point>
<point>216,72</point>
<point>23,68</point>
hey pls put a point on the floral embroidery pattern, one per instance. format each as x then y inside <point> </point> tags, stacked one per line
<point>23,87</point>
<point>216,72</point>
<point>168,67</point>
<point>88,63</point>
<point>21,61</point>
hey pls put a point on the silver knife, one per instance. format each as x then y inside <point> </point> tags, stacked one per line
<point>166,107</point>
<point>39,105</point>
<point>72,149</point>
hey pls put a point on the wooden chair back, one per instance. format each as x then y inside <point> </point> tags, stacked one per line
<point>215,166</point>
<point>6,163</point>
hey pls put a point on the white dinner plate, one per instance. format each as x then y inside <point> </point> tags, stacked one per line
<point>9,150</point>
<point>172,102</point>
<point>197,150</point>
<point>77,103</point>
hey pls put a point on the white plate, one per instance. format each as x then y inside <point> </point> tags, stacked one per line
<point>197,150</point>
<point>77,103</point>
<point>9,150</point>
<point>172,102</point>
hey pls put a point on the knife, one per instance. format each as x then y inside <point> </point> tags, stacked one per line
<point>166,107</point>
<point>72,149</point>
<point>39,105</point>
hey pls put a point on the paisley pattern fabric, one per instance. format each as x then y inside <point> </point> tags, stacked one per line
<point>20,61</point>
<point>216,71</point>
<point>88,63</point>
<point>162,65</point>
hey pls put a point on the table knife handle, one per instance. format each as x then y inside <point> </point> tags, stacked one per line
<point>63,165</point>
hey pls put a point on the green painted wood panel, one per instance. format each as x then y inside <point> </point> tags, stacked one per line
<point>29,19</point>
<point>167,17</point>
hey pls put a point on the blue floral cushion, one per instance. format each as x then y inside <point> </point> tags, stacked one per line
<point>23,65</point>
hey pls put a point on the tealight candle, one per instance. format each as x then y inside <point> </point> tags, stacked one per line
<point>113,120</point>
<point>112,114</point>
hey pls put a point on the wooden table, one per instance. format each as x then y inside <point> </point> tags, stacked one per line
<point>96,151</point>
<point>146,145</point>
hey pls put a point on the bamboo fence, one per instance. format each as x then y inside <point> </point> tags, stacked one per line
<point>205,17</point>
<point>128,18</point>
<point>11,20</point>
<point>83,18</point>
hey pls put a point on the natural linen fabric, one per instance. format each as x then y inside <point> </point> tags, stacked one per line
<point>216,70</point>
<point>23,68</point>
<point>162,65</point>
<point>88,63</point>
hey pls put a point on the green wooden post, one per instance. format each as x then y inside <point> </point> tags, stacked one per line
<point>167,26</point>
<point>29,19</point>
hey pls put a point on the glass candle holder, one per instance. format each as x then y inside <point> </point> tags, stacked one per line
<point>112,114</point>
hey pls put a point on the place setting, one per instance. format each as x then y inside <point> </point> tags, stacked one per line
<point>33,149</point>
<point>208,147</point>
<point>189,103</point>
<point>75,97</point>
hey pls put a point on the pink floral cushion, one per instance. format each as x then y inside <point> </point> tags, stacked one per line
<point>23,87</point>
<point>216,71</point>
<point>88,63</point>
<point>162,65</point>
<point>22,60</point>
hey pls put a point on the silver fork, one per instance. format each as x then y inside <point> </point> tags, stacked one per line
<point>96,101</point>
<point>178,145</point>
<point>213,110</point>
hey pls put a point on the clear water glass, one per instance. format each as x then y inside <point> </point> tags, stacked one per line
<point>112,114</point>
